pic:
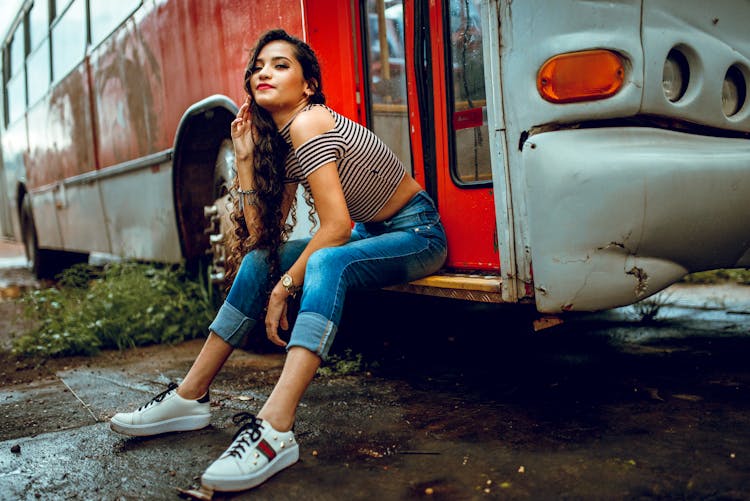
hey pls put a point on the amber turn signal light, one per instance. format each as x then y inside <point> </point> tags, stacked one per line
<point>580,76</point>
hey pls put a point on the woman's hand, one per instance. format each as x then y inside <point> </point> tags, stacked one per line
<point>276,314</point>
<point>242,133</point>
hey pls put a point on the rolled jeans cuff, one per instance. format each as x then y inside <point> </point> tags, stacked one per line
<point>231,324</point>
<point>314,332</point>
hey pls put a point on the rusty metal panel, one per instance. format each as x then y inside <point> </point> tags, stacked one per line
<point>61,132</point>
<point>127,83</point>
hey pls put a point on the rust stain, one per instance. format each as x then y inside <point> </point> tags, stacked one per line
<point>642,278</point>
<point>127,76</point>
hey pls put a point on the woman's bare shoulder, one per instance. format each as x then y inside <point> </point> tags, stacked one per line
<point>310,123</point>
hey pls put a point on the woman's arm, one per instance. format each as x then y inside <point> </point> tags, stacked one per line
<point>244,145</point>
<point>330,205</point>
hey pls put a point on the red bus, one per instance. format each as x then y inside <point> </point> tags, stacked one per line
<point>583,155</point>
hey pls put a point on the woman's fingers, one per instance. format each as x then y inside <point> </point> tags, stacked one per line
<point>276,316</point>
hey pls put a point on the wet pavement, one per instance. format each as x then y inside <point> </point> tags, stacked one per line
<point>447,400</point>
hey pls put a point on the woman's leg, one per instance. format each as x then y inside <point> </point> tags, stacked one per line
<point>209,362</point>
<point>239,314</point>
<point>281,407</point>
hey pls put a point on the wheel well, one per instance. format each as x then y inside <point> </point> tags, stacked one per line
<point>197,144</point>
<point>20,194</point>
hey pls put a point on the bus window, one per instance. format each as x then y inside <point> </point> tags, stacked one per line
<point>38,23</point>
<point>16,86</point>
<point>60,6</point>
<point>107,15</point>
<point>37,67</point>
<point>471,151</point>
<point>68,39</point>
<point>387,76</point>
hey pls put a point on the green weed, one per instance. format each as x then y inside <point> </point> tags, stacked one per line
<point>344,365</point>
<point>123,305</point>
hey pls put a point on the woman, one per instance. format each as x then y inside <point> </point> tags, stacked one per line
<point>284,134</point>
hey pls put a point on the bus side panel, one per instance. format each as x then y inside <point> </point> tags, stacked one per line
<point>141,215</point>
<point>205,47</point>
<point>61,146</point>
<point>60,132</point>
<point>13,146</point>
<point>128,83</point>
<point>6,225</point>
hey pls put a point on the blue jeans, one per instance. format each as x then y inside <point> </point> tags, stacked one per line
<point>408,246</point>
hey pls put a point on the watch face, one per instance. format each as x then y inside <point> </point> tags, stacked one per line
<point>286,281</point>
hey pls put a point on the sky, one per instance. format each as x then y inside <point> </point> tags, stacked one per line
<point>7,11</point>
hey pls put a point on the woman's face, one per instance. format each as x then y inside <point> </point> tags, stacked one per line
<point>276,79</point>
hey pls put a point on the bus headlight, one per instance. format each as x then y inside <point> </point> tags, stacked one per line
<point>733,92</point>
<point>675,76</point>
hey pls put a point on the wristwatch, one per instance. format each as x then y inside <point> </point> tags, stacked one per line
<point>287,282</point>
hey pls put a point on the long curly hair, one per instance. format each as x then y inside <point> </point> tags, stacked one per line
<point>269,159</point>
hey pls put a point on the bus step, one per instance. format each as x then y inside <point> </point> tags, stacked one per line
<point>483,288</point>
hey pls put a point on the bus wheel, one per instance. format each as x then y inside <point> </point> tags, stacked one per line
<point>218,223</point>
<point>43,263</point>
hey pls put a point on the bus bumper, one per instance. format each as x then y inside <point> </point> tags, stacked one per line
<point>618,214</point>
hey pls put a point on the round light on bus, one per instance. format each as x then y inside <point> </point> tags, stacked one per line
<point>675,76</point>
<point>733,92</point>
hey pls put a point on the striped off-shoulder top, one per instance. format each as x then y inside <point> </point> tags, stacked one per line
<point>369,171</point>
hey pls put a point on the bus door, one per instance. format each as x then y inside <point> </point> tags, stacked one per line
<point>468,136</point>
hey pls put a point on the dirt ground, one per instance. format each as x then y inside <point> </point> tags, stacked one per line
<point>443,400</point>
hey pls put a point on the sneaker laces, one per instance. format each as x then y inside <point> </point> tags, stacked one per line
<point>158,398</point>
<point>250,429</point>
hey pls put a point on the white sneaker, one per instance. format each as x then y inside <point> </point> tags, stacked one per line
<point>257,452</point>
<point>166,412</point>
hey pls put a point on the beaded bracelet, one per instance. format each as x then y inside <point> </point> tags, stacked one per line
<point>249,197</point>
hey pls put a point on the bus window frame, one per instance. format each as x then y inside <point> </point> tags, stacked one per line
<point>53,25</point>
<point>89,21</point>
<point>364,39</point>
<point>451,108</point>
<point>10,72</point>
<point>44,23</point>
<point>44,46</point>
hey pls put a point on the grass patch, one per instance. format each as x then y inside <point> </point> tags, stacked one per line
<point>736,275</point>
<point>344,365</point>
<point>120,306</point>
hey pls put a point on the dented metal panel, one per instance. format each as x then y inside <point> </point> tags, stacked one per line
<point>617,214</point>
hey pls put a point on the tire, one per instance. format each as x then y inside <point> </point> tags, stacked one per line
<point>217,222</point>
<point>43,263</point>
